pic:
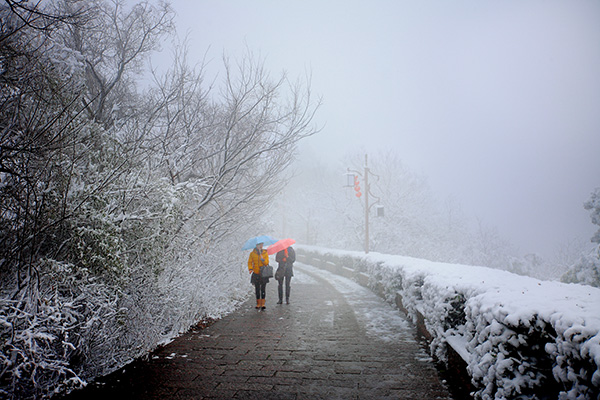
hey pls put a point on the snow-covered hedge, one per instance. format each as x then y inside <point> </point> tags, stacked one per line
<point>520,337</point>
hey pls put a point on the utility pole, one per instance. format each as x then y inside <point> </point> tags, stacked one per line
<point>366,205</point>
<point>352,180</point>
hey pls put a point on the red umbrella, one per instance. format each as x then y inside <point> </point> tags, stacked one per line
<point>280,245</point>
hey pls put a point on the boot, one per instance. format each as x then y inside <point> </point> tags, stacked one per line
<point>257,304</point>
<point>280,293</point>
<point>263,304</point>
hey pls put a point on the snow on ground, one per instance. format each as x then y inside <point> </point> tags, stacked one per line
<point>517,334</point>
<point>380,320</point>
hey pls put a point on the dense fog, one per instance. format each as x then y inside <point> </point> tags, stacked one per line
<point>316,208</point>
<point>494,104</point>
<point>139,154</point>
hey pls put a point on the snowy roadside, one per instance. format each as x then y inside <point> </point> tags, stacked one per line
<point>517,334</point>
<point>380,320</point>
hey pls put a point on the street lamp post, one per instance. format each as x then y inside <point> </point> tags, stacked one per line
<point>366,206</point>
<point>367,190</point>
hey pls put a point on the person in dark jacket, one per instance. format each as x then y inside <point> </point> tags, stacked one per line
<point>285,258</point>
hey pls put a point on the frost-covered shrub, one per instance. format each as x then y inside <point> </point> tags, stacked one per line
<point>443,310</point>
<point>455,315</point>
<point>593,206</point>
<point>414,288</point>
<point>375,282</point>
<point>392,286</point>
<point>587,270</point>
<point>360,265</point>
<point>346,261</point>
<point>76,326</point>
<point>50,335</point>
<point>510,361</point>
<point>574,348</point>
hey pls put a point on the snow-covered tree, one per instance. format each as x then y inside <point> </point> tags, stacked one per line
<point>114,43</point>
<point>528,265</point>
<point>120,207</point>
<point>40,85</point>
<point>593,206</point>
<point>587,269</point>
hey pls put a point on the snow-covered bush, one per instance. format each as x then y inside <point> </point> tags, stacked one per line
<point>587,270</point>
<point>520,337</point>
<point>593,205</point>
<point>48,334</point>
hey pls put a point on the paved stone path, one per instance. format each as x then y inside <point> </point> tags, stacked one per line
<point>314,348</point>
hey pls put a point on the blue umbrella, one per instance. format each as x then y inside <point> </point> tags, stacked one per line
<point>251,243</point>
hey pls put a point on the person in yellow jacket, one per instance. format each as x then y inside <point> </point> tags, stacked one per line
<point>258,257</point>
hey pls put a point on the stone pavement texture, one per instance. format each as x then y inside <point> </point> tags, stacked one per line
<point>313,348</point>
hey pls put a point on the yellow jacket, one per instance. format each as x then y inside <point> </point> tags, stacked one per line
<point>255,261</point>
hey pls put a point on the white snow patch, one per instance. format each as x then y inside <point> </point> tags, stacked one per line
<point>380,320</point>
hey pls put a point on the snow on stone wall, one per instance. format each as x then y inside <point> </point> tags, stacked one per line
<point>520,337</point>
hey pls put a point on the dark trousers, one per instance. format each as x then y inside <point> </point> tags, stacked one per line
<point>261,287</point>
<point>287,287</point>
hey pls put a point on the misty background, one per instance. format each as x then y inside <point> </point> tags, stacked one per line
<point>144,143</point>
<point>494,104</point>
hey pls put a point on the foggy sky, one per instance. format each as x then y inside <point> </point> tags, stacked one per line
<point>496,102</point>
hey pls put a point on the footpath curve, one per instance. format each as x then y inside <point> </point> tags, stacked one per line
<point>317,347</point>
